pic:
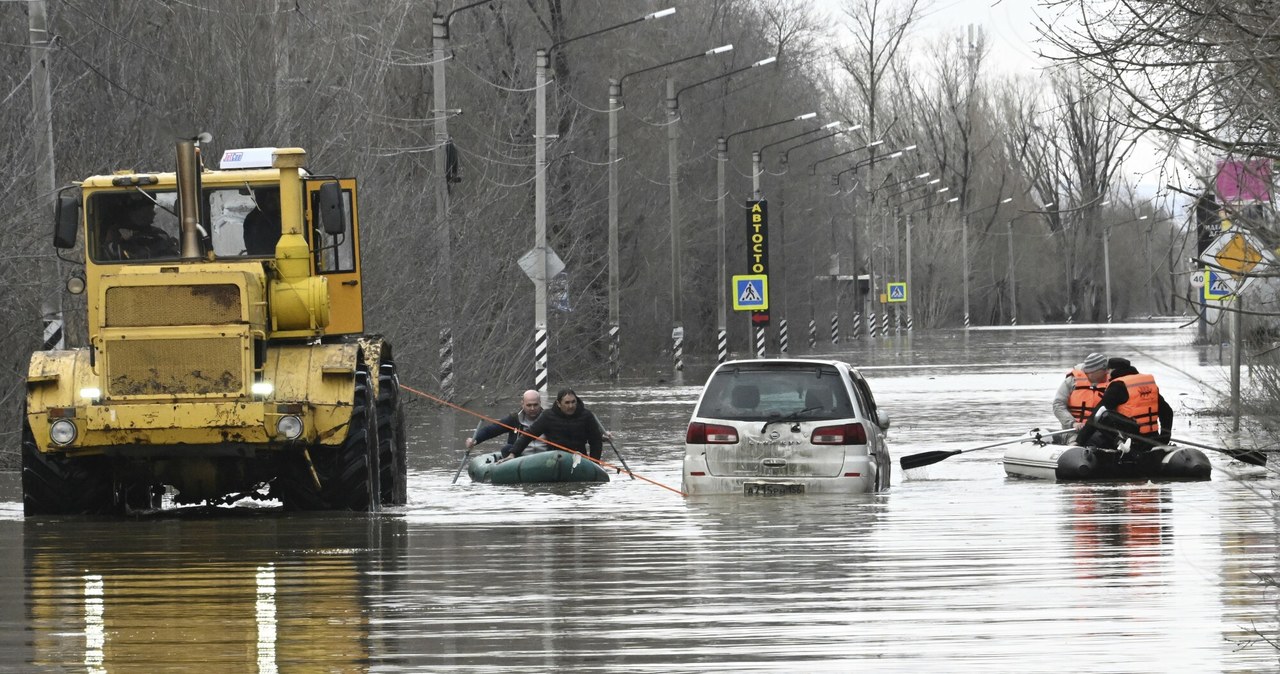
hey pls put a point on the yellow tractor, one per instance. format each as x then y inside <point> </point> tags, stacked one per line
<point>226,357</point>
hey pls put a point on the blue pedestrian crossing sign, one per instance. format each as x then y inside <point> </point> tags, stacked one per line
<point>897,292</point>
<point>1218,285</point>
<point>751,292</point>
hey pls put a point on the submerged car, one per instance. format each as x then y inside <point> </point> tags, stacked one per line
<point>786,426</point>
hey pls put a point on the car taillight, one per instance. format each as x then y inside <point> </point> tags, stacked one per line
<point>844,434</point>
<point>710,434</point>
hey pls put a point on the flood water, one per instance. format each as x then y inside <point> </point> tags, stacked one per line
<point>956,568</point>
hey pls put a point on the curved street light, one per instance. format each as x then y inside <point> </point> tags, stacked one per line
<point>722,289</point>
<point>541,60</point>
<point>673,107</point>
<point>443,235</point>
<point>615,275</point>
<point>964,251</point>
<point>952,200</point>
<point>813,168</point>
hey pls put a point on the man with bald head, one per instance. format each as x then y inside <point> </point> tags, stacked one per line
<point>530,410</point>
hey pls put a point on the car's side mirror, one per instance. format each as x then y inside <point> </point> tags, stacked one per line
<point>66,221</point>
<point>882,418</point>
<point>333,217</point>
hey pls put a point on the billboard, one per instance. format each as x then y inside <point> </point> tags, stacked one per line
<point>1244,181</point>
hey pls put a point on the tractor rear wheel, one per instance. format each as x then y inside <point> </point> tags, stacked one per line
<point>391,440</point>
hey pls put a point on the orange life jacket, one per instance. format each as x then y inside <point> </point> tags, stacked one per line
<point>1084,397</point>
<point>1143,405</point>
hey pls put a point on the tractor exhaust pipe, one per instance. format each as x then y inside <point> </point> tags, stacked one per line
<point>189,195</point>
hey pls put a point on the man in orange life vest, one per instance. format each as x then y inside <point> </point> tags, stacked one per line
<point>1080,392</point>
<point>1131,406</point>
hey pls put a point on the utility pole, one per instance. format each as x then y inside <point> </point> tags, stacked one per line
<point>283,113</point>
<point>443,243</point>
<point>972,57</point>
<point>677,309</point>
<point>46,171</point>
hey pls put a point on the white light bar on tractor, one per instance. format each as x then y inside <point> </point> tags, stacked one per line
<point>247,158</point>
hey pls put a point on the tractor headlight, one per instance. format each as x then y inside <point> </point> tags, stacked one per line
<point>289,427</point>
<point>62,432</point>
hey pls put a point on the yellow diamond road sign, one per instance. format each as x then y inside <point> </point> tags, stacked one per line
<point>1235,252</point>
<point>1238,256</point>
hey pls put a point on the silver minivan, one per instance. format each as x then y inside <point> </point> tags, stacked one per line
<point>786,426</point>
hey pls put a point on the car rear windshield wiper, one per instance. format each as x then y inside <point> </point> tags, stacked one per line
<point>794,416</point>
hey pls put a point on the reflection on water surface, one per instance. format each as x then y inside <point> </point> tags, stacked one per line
<point>956,568</point>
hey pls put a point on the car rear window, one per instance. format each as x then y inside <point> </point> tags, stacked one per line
<point>762,392</point>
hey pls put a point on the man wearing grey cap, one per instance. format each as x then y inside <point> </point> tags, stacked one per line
<point>1080,391</point>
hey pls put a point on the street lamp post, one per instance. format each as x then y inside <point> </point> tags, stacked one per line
<point>964,252</point>
<point>911,289</point>
<point>872,324</point>
<point>834,267</point>
<point>1106,258</point>
<point>1013,285</point>
<point>722,156</point>
<point>835,330</point>
<point>906,218</point>
<point>897,239</point>
<point>541,60</point>
<point>443,230</point>
<point>780,290</point>
<point>615,103</point>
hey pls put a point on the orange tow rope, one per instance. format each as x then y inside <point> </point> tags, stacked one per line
<point>521,431</point>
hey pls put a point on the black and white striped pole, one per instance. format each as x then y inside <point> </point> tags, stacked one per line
<point>53,330</point>
<point>813,334</point>
<point>446,363</point>
<point>615,347</point>
<point>872,328</point>
<point>835,328</point>
<point>760,341</point>
<point>857,325</point>
<point>677,348</point>
<point>540,360</point>
<point>540,224</point>
<point>782,337</point>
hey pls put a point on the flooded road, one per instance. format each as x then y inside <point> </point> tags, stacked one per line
<point>956,568</point>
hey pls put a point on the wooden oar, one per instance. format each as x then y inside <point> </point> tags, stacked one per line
<point>465,455</point>
<point>1251,457</point>
<point>929,458</point>
<point>622,460</point>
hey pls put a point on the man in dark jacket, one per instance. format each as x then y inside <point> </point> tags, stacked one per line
<point>530,411</point>
<point>1131,406</point>
<point>569,424</point>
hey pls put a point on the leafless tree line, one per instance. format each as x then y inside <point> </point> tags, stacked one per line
<point>351,82</point>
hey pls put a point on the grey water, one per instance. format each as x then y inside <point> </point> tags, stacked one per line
<point>956,568</point>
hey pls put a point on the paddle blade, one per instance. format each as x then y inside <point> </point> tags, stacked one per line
<point>925,458</point>
<point>1246,456</point>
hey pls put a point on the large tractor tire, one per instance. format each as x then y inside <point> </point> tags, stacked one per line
<point>392,453</point>
<point>348,473</point>
<point>55,485</point>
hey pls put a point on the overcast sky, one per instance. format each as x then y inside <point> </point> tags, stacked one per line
<point>1010,26</point>
<point>1011,29</point>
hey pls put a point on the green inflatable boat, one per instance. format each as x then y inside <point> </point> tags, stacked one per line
<point>550,466</point>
